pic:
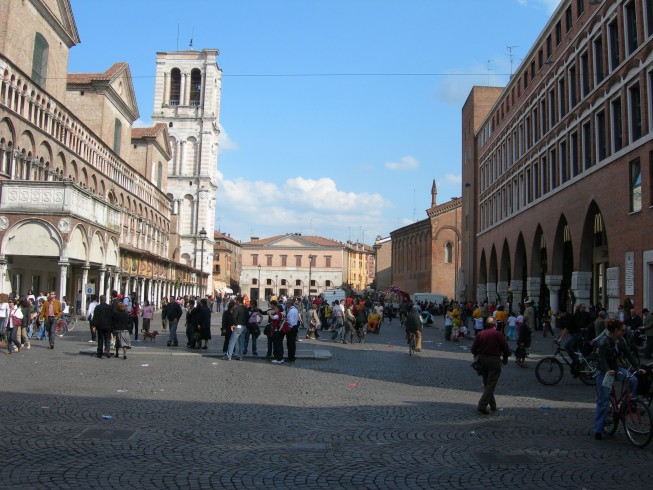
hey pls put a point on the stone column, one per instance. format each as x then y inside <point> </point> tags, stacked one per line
<point>63,272</point>
<point>491,290</point>
<point>533,288</point>
<point>581,285</point>
<point>166,89</point>
<point>613,287</point>
<point>85,269</point>
<point>128,286</point>
<point>553,283</point>
<point>141,291</point>
<point>116,280</point>
<point>481,293</point>
<point>101,284</point>
<point>517,287</point>
<point>3,274</point>
<point>182,90</point>
<point>502,292</point>
<point>182,158</point>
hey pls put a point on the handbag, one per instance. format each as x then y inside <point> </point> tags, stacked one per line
<point>267,330</point>
<point>15,321</point>
<point>476,365</point>
<point>285,327</point>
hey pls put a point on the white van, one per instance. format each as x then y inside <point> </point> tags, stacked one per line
<point>332,295</point>
<point>428,297</point>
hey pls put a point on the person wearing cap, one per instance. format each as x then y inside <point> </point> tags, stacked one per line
<point>492,350</point>
<point>529,314</point>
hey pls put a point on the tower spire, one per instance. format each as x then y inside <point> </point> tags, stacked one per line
<point>434,194</point>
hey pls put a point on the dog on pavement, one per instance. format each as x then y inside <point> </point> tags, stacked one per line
<point>150,335</point>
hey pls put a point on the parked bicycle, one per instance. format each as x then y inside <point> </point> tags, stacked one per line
<point>65,324</point>
<point>634,413</point>
<point>549,370</point>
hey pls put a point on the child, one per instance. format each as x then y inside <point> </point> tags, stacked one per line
<point>523,344</point>
<point>512,326</point>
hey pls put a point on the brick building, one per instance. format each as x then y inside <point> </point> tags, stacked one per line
<point>426,254</point>
<point>227,263</point>
<point>557,165</point>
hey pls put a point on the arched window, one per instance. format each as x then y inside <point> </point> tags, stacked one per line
<point>448,255</point>
<point>159,175</point>
<point>40,60</point>
<point>116,136</point>
<point>195,86</point>
<point>175,86</point>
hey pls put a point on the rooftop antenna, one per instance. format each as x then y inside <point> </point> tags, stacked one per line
<point>512,59</point>
<point>488,71</point>
<point>219,218</point>
<point>177,37</point>
<point>190,45</point>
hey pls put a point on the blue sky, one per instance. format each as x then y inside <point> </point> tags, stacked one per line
<point>347,147</point>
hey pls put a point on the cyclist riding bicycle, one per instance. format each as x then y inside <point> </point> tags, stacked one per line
<point>612,347</point>
<point>413,324</point>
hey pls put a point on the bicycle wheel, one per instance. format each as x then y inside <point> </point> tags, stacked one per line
<point>588,372</point>
<point>611,419</point>
<point>549,371</point>
<point>637,423</point>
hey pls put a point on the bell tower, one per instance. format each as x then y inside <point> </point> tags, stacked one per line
<point>187,100</point>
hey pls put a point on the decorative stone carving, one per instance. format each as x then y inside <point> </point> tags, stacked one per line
<point>4,223</point>
<point>64,225</point>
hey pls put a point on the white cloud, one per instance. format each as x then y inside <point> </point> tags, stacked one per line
<point>453,179</point>
<point>406,163</point>
<point>224,142</point>
<point>303,205</point>
<point>140,123</point>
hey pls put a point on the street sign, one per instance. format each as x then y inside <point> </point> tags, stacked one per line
<point>90,288</point>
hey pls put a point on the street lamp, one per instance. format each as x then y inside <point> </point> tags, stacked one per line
<point>259,283</point>
<point>310,270</point>
<point>276,285</point>
<point>202,238</point>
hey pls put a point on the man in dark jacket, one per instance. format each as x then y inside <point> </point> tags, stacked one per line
<point>101,324</point>
<point>174,314</point>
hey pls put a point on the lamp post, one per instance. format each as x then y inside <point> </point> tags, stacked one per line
<point>276,285</point>
<point>310,270</point>
<point>455,250</point>
<point>259,284</point>
<point>202,238</point>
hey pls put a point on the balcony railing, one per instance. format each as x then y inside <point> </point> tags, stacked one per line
<point>65,198</point>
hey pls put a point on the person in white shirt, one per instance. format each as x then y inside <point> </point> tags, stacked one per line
<point>89,317</point>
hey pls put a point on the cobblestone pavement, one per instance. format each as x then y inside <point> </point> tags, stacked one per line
<point>369,417</point>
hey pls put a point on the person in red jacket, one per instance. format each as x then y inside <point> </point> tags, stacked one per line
<point>492,350</point>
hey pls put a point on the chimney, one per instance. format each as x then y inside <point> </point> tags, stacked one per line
<point>254,238</point>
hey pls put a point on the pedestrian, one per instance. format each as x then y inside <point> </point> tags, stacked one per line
<point>148,313</point>
<point>134,310</point>
<point>101,325</point>
<point>13,326</point>
<point>4,315</point>
<point>239,323</point>
<point>164,313</point>
<point>492,350</point>
<point>89,316</point>
<point>291,337</point>
<point>120,328</point>
<point>253,328</point>
<point>205,323</point>
<point>512,326</point>
<point>192,325</point>
<point>279,329</point>
<point>51,314</point>
<point>647,325</point>
<point>173,314</point>
<point>26,310</point>
<point>314,323</point>
<point>227,321</point>
<point>613,350</point>
<point>523,345</point>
